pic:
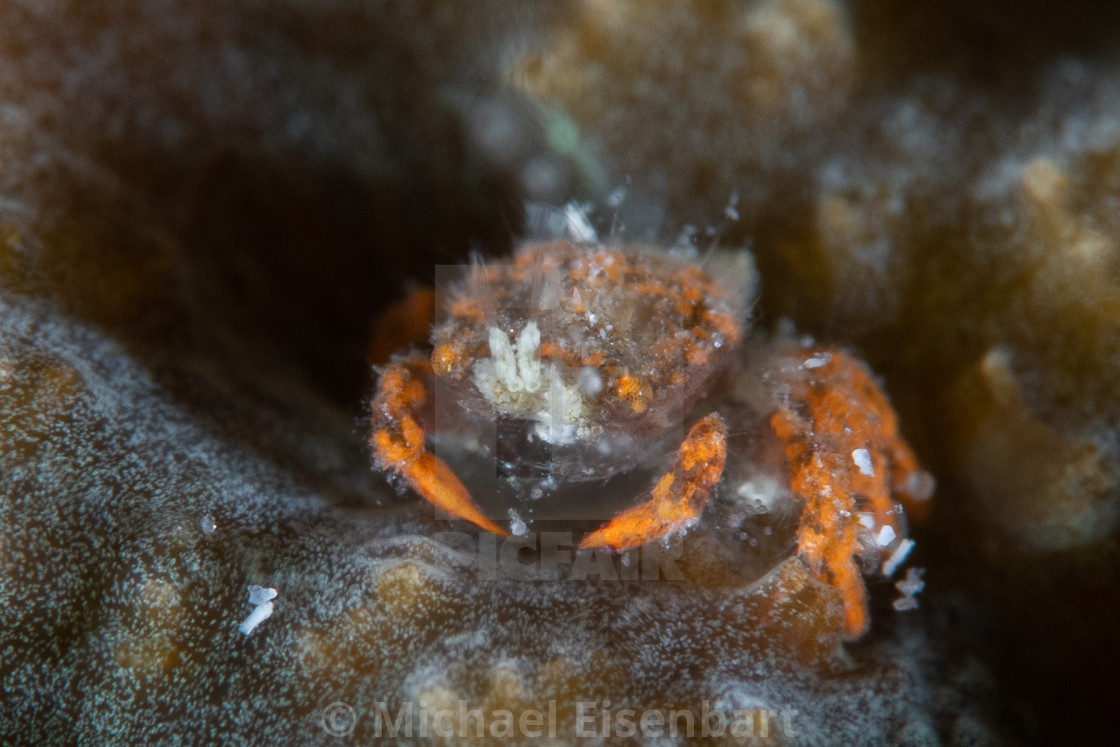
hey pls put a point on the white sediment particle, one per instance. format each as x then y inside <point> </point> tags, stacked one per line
<point>913,584</point>
<point>821,359</point>
<point>862,458</point>
<point>207,524</point>
<point>731,212</point>
<point>867,519</point>
<point>259,614</point>
<point>516,524</point>
<point>898,557</point>
<point>579,228</point>
<point>260,594</point>
<point>886,536</point>
<point>261,597</point>
<point>910,587</point>
<point>905,603</point>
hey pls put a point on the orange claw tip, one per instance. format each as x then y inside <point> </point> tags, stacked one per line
<point>634,528</point>
<point>429,476</point>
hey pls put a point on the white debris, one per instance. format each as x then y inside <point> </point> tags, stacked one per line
<point>259,614</point>
<point>207,524</point>
<point>579,228</point>
<point>867,519</point>
<point>516,525</point>
<point>910,587</point>
<point>731,212</point>
<point>862,458</point>
<point>616,197</point>
<point>821,359</point>
<point>898,557</point>
<point>260,595</point>
<point>262,598</point>
<point>905,603</point>
<point>886,536</point>
<point>913,584</point>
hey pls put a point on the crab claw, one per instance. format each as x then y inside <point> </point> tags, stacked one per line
<point>678,499</point>
<point>429,476</point>
<point>398,443</point>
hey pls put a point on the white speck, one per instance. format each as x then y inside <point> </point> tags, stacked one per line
<point>262,598</point>
<point>905,603</point>
<point>516,525</point>
<point>590,382</point>
<point>260,594</point>
<point>862,458</point>
<point>886,536</point>
<point>616,197</point>
<point>910,587</point>
<point>898,557</point>
<point>259,614</point>
<point>821,359</point>
<point>731,211</point>
<point>579,229</point>
<point>913,583</point>
<point>206,524</point>
<point>867,519</point>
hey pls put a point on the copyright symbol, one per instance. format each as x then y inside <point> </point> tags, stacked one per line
<point>339,719</point>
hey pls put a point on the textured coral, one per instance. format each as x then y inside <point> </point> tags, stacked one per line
<point>134,527</point>
<point>731,87</point>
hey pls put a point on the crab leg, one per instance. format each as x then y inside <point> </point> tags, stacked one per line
<point>679,496</point>
<point>840,412</point>
<point>398,442</point>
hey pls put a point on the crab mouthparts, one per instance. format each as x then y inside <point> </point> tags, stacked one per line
<point>520,452</point>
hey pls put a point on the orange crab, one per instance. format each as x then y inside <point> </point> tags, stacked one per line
<point>585,361</point>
